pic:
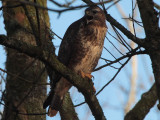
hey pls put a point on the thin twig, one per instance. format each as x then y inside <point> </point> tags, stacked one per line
<point>121,58</point>
<point>114,76</point>
<point>114,46</point>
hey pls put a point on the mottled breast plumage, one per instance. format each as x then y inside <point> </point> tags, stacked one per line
<point>87,45</point>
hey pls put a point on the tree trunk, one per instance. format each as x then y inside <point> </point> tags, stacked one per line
<point>24,92</point>
<point>150,22</point>
<point>155,58</point>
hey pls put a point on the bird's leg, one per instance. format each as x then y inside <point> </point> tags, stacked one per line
<point>88,75</point>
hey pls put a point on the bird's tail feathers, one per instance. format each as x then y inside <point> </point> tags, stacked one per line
<point>55,105</point>
<point>47,102</point>
<point>55,98</point>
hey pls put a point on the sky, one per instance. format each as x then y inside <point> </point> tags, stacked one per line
<point>113,98</point>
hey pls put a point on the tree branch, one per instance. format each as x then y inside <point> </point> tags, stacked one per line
<point>128,34</point>
<point>149,17</point>
<point>84,85</point>
<point>157,6</point>
<point>67,110</point>
<point>144,105</point>
<point>152,31</point>
<point>121,58</point>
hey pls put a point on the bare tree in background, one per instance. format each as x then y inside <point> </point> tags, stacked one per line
<point>27,26</point>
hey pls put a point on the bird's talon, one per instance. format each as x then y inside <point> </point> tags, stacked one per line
<point>88,75</point>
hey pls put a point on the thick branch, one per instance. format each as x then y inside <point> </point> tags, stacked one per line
<point>157,6</point>
<point>67,110</point>
<point>148,16</point>
<point>124,30</point>
<point>144,105</point>
<point>150,23</point>
<point>155,58</point>
<point>84,85</point>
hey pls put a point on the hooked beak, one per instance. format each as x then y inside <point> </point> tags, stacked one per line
<point>89,18</point>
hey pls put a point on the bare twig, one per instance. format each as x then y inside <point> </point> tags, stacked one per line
<point>115,46</point>
<point>121,58</point>
<point>111,54</point>
<point>114,76</point>
<point>124,30</point>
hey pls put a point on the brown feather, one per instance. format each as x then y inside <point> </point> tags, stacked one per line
<point>80,49</point>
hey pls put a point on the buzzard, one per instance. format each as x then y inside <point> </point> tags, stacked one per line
<point>80,51</point>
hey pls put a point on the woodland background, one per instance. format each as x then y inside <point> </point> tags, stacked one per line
<point>126,89</point>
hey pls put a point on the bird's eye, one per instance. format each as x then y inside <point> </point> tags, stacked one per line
<point>94,11</point>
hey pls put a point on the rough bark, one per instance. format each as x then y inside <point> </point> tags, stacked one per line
<point>24,97</point>
<point>141,109</point>
<point>67,110</point>
<point>155,58</point>
<point>149,18</point>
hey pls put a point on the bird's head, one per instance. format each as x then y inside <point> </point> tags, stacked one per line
<point>94,14</point>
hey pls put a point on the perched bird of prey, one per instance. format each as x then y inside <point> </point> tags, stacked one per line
<point>80,51</point>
